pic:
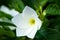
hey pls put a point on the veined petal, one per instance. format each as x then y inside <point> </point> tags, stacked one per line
<point>32,33</point>
<point>22,32</point>
<point>29,12</point>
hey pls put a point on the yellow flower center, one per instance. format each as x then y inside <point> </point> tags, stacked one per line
<point>32,21</point>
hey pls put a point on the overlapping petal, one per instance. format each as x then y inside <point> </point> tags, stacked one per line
<point>32,33</point>
<point>29,12</point>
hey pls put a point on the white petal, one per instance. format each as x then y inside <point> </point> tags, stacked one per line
<point>39,23</point>
<point>13,12</point>
<point>4,9</point>
<point>32,33</point>
<point>16,19</point>
<point>29,12</point>
<point>8,11</point>
<point>22,32</point>
<point>19,21</point>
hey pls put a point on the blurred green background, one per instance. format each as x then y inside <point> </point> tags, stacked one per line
<point>50,29</point>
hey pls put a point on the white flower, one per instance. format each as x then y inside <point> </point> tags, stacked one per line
<point>12,12</point>
<point>27,23</point>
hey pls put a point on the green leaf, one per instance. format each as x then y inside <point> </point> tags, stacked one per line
<point>6,28</point>
<point>20,38</point>
<point>6,24</point>
<point>17,4</point>
<point>54,2</point>
<point>2,14</point>
<point>35,3</point>
<point>43,2</point>
<point>53,34</point>
<point>53,9</point>
<point>6,33</point>
<point>5,2</point>
<point>55,23</point>
<point>53,29</point>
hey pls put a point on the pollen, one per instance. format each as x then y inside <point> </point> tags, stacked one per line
<point>32,21</point>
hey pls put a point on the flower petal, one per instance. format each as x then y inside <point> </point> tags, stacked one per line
<point>22,32</point>
<point>32,33</point>
<point>19,21</point>
<point>4,9</point>
<point>29,12</point>
<point>12,12</point>
<point>16,19</point>
<point>39,23</point>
